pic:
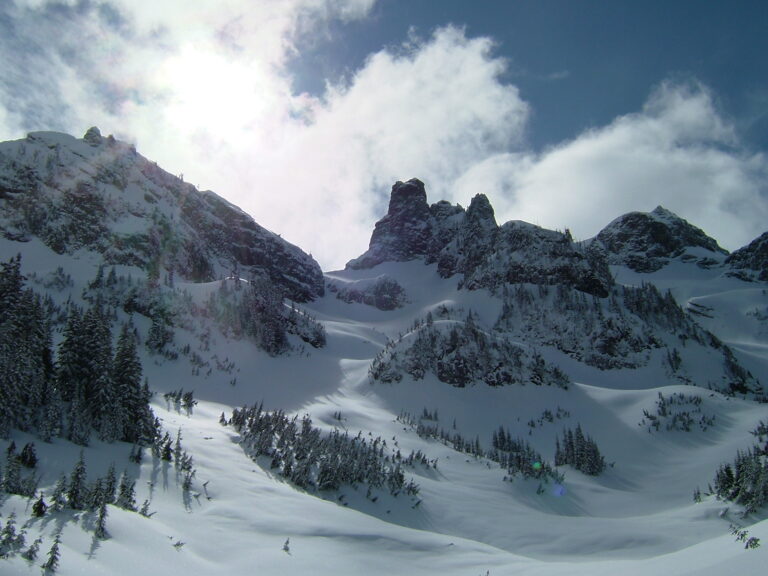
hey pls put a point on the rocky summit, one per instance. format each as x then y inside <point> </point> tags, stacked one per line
<point>470,242</point>
<point>645,242</point>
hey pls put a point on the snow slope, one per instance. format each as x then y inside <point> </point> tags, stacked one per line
<point>637,518</point>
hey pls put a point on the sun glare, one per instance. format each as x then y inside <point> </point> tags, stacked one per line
<point>211,92</point>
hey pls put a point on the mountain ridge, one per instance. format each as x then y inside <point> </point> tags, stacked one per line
<point>100,194</point>
<point>470,242</point>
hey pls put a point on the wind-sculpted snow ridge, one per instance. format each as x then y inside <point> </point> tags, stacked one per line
<point>99,194</point>
<point>646,242</point>
<point>470,243</point>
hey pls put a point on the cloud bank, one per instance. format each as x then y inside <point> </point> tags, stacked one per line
<point>207,90</point>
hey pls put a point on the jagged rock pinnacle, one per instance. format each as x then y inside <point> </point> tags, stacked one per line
<point>404,233</point>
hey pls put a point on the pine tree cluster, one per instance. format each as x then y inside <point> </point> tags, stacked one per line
<point>385,293</point>
<point>255,309</point>
<point>670,412</point>
<point>452,439</point>
<point>461,353</point>
<point>77,493</point>
<point>28,396</point>
<point>744,482</point>
<point>518,457</point>
<point>88,387</point>
<point>302,454</point>
<point>11,541</point>
<point>104,391</point>
<point>579,451</point>
<point>181,399</point>
<point>607,333</point>
<point>12,478</point>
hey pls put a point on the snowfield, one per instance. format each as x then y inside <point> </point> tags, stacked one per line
<point>469,519</point>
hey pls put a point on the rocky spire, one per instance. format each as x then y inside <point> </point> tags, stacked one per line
<point>404,233</point>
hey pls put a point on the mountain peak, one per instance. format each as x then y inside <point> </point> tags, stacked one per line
<point>480,210</point>
<point>404,232</point>
<point>470,242</point>
<point>646,242</point>
<point>751,261</point>
<point>407,195</point>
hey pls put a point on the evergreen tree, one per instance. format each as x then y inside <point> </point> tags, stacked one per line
<point>79,419</point>
<point>127,378</point>
<point>8,534</point>
<point>126,495</point>
<point>52,563</point>
<point>110,485</point>
<point>12,477</point>
<point>77,491</point>
<point>59,496</point>
<point>39,508</point>
<point>11,282</point>
<point>71,370</point>
<point>101,522</point>
<point>96,495</point>
<point>30,554</point>
<point>177,449</point>
<point>28,456</point>
<point>100,394</point>
<point>51,419</point>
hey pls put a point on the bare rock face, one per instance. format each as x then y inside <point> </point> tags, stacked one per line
<point>751,261</point>
<point>404,233</point>
<point>646,242</point>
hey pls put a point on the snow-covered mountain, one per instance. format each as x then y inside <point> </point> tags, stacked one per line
<point>463,398</point>
<point>645,242</point>
<point>751,261</point>
<point>100,195</point>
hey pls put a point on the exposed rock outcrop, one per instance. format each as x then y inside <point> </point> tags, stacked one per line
<point>470,242</point>
<point>751,261</point>
<point>646,242</point>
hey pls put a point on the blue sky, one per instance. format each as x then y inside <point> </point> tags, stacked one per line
<point>580,63</point>
<point>304,112</point>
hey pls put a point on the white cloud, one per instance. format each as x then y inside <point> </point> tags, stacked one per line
<point>432,113</point>
<point>678,152</point>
